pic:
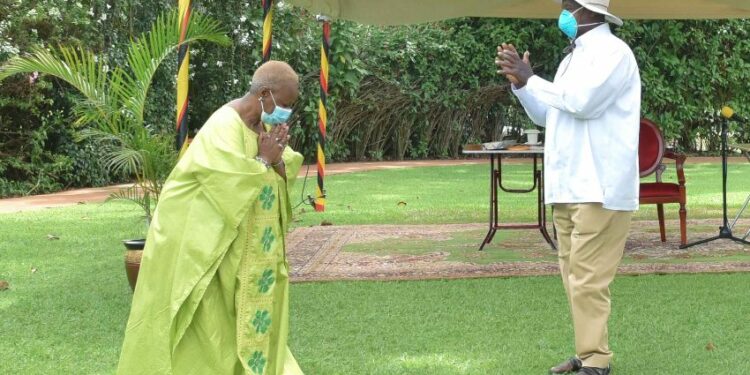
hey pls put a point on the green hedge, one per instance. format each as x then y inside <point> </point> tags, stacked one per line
<point>396,92</point>
<point>38,148</point>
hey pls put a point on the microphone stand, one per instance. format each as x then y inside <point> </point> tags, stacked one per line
<point>725,231</point>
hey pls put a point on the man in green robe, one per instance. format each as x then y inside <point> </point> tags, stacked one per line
<point>213,290</point>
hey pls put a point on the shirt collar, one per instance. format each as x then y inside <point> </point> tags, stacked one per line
<point>593,34</point>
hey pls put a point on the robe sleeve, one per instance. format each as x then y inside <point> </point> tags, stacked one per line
<point>292,164</point>
<point>230,179</point>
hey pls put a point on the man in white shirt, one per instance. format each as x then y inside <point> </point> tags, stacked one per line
<point>591,112</point>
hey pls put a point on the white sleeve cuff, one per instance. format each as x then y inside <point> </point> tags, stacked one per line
<point>533,82</point>
<point>524,91</point>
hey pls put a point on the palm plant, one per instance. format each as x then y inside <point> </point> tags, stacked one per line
<point>111,107</point>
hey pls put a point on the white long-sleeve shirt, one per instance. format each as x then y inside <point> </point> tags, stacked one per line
<point>592,117</point>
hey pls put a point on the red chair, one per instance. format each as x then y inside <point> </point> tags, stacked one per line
<point>650,153</point>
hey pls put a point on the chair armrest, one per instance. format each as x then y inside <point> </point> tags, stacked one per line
<point>679,159</point>
<point>659,171</point>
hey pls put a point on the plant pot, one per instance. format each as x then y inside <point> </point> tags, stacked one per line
<point>133,254</point>
<point>532,136</point>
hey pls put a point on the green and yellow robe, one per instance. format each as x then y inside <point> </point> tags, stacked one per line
<point>213,290</point>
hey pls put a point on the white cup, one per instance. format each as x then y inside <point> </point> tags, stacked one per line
<point>532,136</point>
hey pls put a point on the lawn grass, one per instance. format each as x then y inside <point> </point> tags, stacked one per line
<point>66,308</point>
<point>459,194</point>
<point>68,300</point>
<point>660,325</point>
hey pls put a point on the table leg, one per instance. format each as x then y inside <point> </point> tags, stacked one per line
<point>496,185</point>
<point>554,228</point>
<point>498,168</point>
<point>493,205</point>
<point>542,211</point>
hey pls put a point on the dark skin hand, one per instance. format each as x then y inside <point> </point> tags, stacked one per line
<point>518,70</point>
<point>271,145</point>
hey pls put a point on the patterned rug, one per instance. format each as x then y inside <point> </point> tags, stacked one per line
<point>414,252</point>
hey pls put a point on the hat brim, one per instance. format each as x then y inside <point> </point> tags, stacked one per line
<point>609,17</point>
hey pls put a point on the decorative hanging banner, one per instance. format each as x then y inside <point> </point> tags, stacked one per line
<point>183,66</point>
<point>325,50</point>
<point>267,28</point>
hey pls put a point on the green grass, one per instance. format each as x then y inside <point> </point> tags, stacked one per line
<point>68,300</point>
<point>459,194</point>
<point>660,325</point>
<point>68,316</point>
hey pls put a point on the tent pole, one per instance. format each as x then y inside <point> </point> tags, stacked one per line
<point>267,29</point>
<point>183,66</point>
<point>325,49</point>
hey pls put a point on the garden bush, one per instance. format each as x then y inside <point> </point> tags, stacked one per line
<point>418,91</point>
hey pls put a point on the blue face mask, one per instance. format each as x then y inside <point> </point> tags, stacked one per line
<point>279,115</point>
<point>568,23</point>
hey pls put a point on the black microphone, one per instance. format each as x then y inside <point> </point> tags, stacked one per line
<point>728,113</point>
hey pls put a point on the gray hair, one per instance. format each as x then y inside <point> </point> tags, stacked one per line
<point>258,84</point>
<point>273,75</point>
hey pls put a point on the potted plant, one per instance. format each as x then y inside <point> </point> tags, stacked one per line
<point>155,156</point>
<point>111,110</point>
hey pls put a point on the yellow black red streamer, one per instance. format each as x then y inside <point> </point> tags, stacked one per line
<point>267,28</point>
<point>183,65</point>
<point>325,49</point>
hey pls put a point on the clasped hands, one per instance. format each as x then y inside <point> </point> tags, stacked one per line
<point>516,69</point>
<point>271,144</point>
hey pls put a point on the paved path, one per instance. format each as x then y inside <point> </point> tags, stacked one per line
<point>94,195</point>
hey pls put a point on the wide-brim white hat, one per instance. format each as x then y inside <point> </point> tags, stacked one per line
<point>599,6</point>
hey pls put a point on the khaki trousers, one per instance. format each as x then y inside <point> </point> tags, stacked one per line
<point>591,241</point>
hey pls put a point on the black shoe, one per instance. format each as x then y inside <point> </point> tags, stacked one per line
<point>593,371</point>
<point>571,365</point>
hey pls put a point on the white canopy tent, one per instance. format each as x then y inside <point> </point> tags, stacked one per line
<point>401,12</point>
